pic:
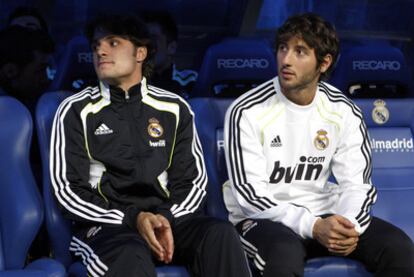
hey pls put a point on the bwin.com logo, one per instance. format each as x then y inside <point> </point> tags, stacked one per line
<point>308,168</point>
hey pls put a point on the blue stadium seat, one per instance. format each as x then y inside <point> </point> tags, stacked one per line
<point>390,125</point>
<point>209,118</point>
<point>21,210</point>
<point>234,66</point>
<point>57,226</point>
<point>75,69</point>
<point>372,69</point>
<point>335,266</point>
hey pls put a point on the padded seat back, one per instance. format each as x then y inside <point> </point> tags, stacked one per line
<point>390,125</point>
<point>57,226</point>
<point>233,67</point>
<point>21,211</point>
<point>209,118</point>
<point>372,70</point>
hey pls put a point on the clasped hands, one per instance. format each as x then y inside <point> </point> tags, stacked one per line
<point>157,232</point>
<point>337,234</point>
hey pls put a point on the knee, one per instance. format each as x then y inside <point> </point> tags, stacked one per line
<point>135,250</point>
<point>222,232</point>
<point>222,228</point>
<point>289,249</point>
<point>284,258</point>
<point>399,250</point>
<point>131,258</point>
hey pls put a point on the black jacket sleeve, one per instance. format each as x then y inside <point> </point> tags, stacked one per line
<point>70,172</point>
<point>187,178</point>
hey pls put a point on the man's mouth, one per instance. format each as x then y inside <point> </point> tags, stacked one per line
<point>287,73</point>
<point>103,63</point>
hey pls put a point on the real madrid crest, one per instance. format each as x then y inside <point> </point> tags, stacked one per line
<point>155,129</point>
<point>380,113</point>
<point>321,141</point>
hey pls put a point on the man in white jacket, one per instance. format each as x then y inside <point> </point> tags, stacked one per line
<point>283,140</point>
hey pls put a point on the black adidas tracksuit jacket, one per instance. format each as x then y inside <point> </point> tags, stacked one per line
<point>114,155</point>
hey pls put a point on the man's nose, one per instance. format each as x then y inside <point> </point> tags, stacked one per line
<point>101,51</point>
<point>286,58</point>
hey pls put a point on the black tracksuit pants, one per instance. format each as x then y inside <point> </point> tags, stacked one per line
<point>206,246</point>
<point>383,248</point>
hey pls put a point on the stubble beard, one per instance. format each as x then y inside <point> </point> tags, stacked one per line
<point>300,85</point>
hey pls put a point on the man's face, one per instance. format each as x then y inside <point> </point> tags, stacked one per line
<point>297,65</point>
<point>117,60</point>
<point>164,49</point>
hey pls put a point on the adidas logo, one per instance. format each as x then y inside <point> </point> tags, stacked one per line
<point>276,142</point>
<point>103,130</point>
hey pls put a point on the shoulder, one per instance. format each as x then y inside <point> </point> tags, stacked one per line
<point>79,100</point>
<point>164,98</point>
<point>253,99</point>
<point>335,100</point>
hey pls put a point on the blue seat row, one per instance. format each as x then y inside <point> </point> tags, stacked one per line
<point>391,131</point>
<point>21,209</point>
<point>230,68</point>
<point>365,69</point>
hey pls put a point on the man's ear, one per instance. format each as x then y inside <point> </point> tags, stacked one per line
<point>142,53</point>
<point>172,48</point>
<point>9,70</point>
<point>326,63</point>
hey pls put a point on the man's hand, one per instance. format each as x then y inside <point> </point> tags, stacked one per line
<point>156,231</point>
<point>337,234</point>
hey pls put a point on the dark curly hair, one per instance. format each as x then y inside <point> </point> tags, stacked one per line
<point>319,34</point>
<point>128,27</point>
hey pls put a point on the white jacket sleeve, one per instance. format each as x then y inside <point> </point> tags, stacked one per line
<point>246,165</point>
<point>351,166</point>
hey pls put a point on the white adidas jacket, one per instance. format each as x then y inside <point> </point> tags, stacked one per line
<point>280,155</point>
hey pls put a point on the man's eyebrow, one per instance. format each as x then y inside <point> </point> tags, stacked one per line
<point>95,40</point>
<point>111,37</point>
<point>302,47</point>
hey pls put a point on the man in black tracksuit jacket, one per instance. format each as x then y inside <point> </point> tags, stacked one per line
<point>127,168</point>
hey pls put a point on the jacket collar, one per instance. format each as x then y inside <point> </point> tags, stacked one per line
<point>110,93</point>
